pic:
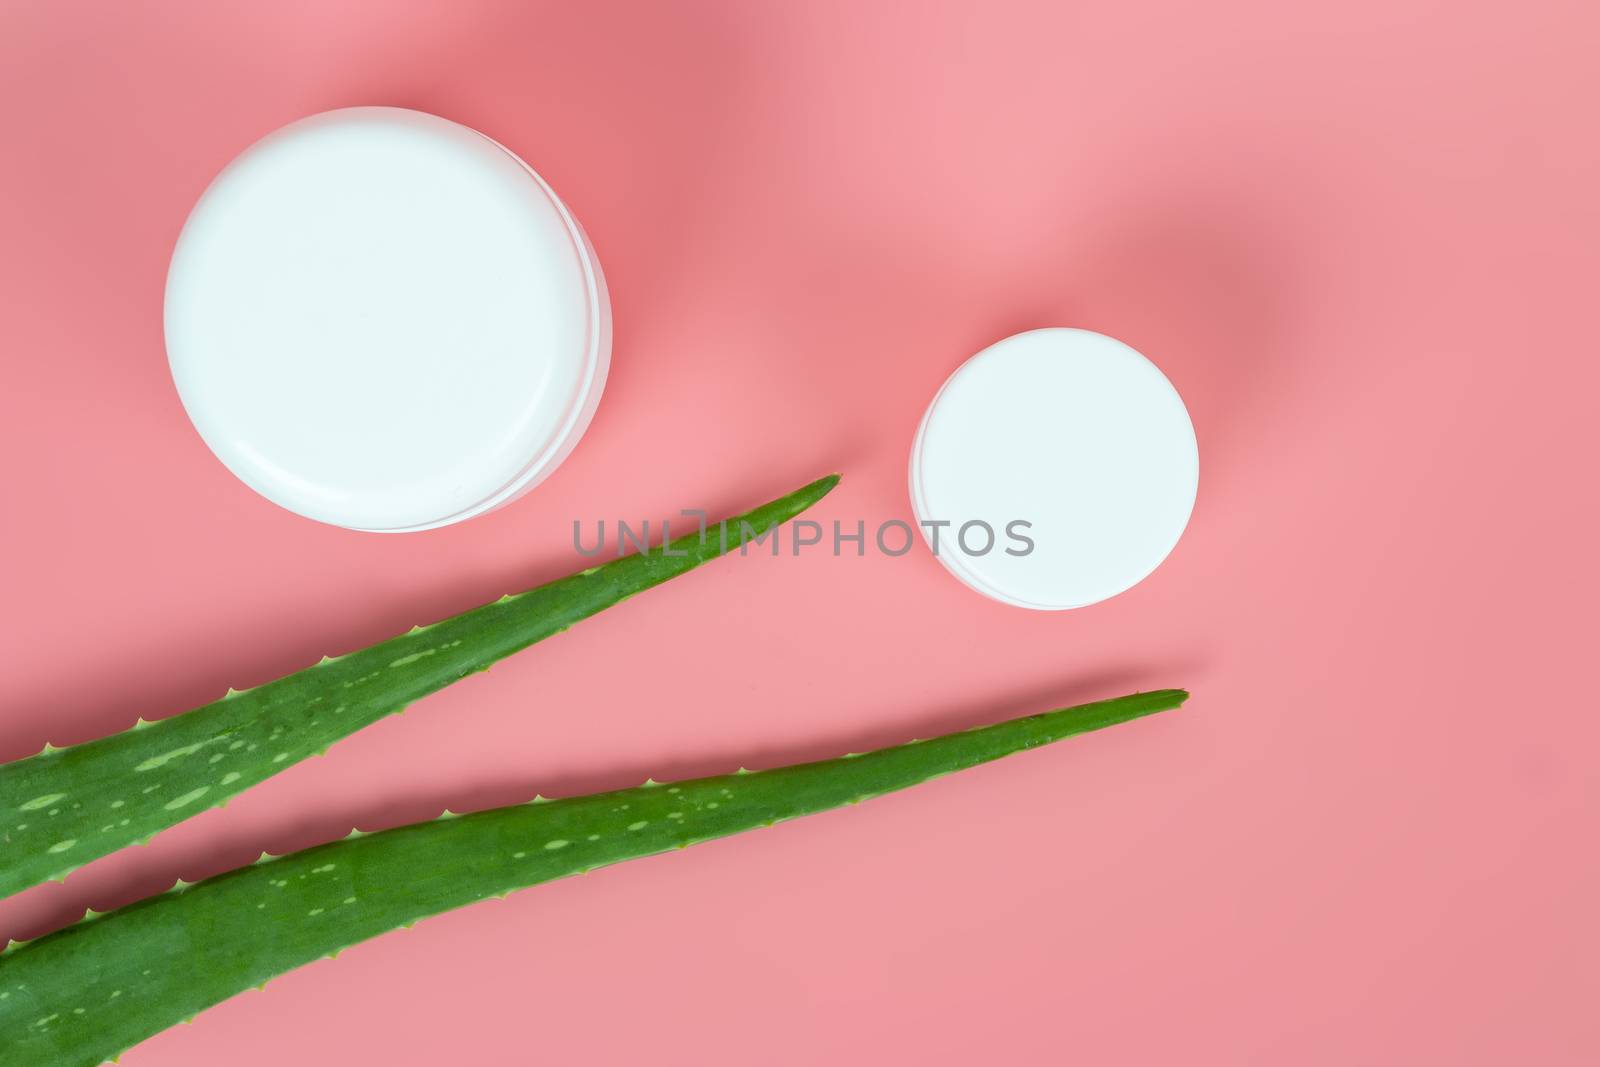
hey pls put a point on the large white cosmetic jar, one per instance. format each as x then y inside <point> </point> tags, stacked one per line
<point>384,320</point>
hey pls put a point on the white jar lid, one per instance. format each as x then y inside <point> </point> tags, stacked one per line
<point>1076,435</point>
<point>384,320</point>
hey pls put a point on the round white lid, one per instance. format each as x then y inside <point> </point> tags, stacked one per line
<point>1075,435</point>
<point>384,320</point>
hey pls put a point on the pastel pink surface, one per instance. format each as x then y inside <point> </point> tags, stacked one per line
<point>1361,239</point>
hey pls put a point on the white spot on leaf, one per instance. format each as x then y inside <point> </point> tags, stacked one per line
<point>188,798</point>
<point>167,757</point>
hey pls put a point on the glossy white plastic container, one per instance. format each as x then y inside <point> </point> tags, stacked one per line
<point>384,320</point>
<point>1074,434</point>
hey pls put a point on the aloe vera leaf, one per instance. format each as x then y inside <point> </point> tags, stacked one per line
<point>67,806</point>
<point>89,991</point>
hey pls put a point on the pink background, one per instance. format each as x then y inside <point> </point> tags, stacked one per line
<point>1360,237</point>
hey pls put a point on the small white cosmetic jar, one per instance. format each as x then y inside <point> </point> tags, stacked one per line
<point>384,320</point>
<point>1054,469</point>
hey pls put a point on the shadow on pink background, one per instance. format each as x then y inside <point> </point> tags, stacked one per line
<point>1360,238</point>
